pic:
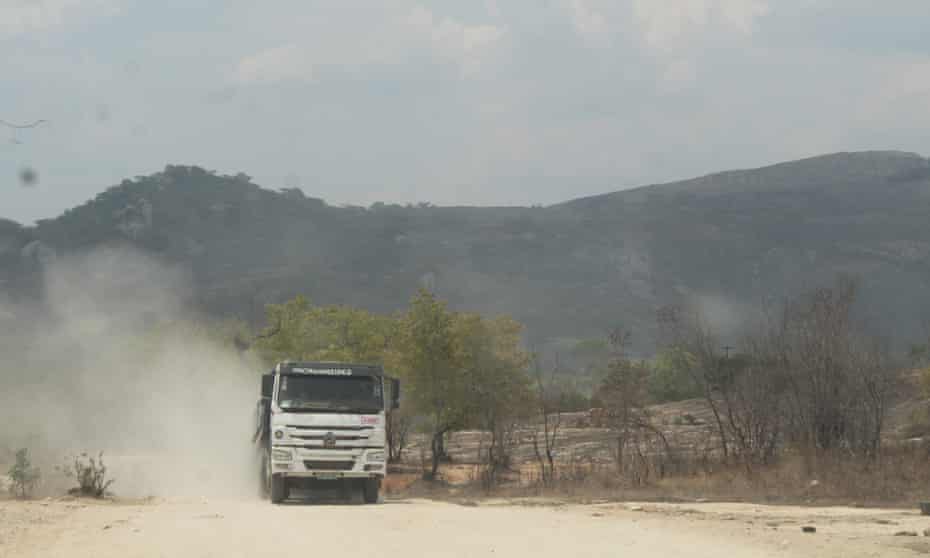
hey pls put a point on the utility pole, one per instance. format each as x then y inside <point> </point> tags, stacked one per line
<point>727,349</point>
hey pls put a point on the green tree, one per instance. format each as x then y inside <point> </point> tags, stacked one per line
<point>623,396</point>
<point>288,334</point>
<point>299,330</point>
<point>23,475</point>
<point>490,357</point>
<point>670,378</point>
<point>427,355</point>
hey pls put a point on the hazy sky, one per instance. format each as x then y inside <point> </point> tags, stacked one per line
<point>453,102</point>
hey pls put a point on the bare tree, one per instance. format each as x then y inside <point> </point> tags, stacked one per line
<point>874,379</point>
<point>397,430</point>
<point>549,407</point>
<point>839,380</point>
<point>624,396</point>
<point>686,329</point>
<point>808,377</point>
<point>497,456</point>
<point>753,404</point>
<point>832,382</point>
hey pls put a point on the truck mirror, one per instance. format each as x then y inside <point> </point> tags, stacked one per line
<point>267,385</point>
<point>395,393</point>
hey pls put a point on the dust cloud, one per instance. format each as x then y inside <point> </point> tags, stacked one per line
<point>113,360</point>
<point>726,318</point>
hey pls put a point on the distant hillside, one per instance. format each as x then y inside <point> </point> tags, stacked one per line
<point>568,271</point>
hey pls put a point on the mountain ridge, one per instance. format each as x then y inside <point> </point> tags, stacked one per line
<point>567,270</point>
<point>916,159</point>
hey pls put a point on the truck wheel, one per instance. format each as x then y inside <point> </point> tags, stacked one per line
<point>370,489</point>
<point>278,489</point>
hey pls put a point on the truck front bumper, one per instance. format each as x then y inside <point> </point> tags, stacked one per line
<point>328,464</point>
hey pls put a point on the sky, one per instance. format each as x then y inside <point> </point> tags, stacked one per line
<point>484,102</point>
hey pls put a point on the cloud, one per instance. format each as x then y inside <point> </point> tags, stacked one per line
<point>386,42</point>
<point>560,99</point>
<point>741,15</point>
<point>666,24</point>
<point>678,75</point>
<point>467,45</point>
<point>18,17</point>
<point>588,22</point>
<point>286,62</point>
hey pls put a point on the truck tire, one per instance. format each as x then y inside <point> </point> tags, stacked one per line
<point>278,489</point>
<point>371,489</point>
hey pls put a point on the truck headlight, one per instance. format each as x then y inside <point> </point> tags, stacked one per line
<point>278,434</point>
<point>280,455</point>
<point>376,456</point>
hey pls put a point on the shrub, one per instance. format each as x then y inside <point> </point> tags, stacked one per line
<point>918,423</point>
<point>23,476</point>
<point>670,379</point>
<point>90,474</point>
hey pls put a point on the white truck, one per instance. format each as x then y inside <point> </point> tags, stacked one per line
<point>323,425</point>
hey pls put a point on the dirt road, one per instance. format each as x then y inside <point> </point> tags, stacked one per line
<point>233,528</point>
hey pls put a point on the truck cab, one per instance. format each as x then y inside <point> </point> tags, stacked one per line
<point>324,423</point>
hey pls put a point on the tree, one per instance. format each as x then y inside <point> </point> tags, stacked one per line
<point>397,429</point>
<point>490,356</point>
<point>427,354</point>
<point>691,338</point>
<point>810,377</point>
<point>920,360</point>
<point>839,379</point>
<point>23,475</point>
<point>670,378</point>
<point>548,399</point>
<point>623,394</point>
<point>299,330</point>
<point>289,334</point>
<point>744,391</point>
<point>753,403</point>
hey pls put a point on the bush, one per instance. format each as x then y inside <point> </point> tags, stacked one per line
<point>670,379</point>
<point>23,476</point>
<point>918,423</point>
<point>90,474</point>
<point>571,401</point>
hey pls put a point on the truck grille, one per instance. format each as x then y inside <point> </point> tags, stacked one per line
<point>338,438</point>
<point>320,427</point>
<point>331,437</point>
<point>316,465</point>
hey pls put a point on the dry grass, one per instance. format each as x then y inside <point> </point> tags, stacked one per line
<point>902,478</point>
<point>399,482</point>
<point>586,470</point>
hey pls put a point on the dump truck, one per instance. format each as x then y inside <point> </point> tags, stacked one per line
<point>323,425</point>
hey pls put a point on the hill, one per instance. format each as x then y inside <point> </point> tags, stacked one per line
<point>568,271</point>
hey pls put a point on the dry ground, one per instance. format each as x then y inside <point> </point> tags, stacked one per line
<point>238,525</point>
<point>404,528</point>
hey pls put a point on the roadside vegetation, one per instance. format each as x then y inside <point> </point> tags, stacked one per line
<point>798,409</point>
<point>805,405</point>
<point>90,474</point>
<point>23,475</point>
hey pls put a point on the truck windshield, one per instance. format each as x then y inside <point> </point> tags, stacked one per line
<point>328,393</point>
